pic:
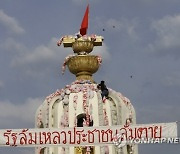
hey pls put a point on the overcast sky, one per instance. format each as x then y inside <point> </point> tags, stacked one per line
<point>142,40</point>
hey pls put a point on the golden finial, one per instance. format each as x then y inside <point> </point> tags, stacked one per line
<point>82,64</point>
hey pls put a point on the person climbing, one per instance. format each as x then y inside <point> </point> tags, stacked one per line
<point>104,90</point>
<point>81,120</point>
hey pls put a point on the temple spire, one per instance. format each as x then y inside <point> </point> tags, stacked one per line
<point>82,64</point>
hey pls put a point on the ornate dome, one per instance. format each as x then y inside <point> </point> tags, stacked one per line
<point>67,106</point>
<point>81,104</point>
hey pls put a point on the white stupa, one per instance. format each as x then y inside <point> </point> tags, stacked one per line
<point>80,104</point>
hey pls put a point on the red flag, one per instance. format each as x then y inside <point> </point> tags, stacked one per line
<point>84,24</point>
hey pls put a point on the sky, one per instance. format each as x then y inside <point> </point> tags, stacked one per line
<point>141,57</point>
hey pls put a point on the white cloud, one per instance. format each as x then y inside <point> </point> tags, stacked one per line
<point>172,80</point>
<point>102,51</point>
<point>123,26</point>
<point>40,60</point>
<point>24,112</point>
<point>49,52</point>
<point>113,22</point>
<point>10,23</point>
<point>13,46</point>
<point>168,35</point>
<point>44,57</point>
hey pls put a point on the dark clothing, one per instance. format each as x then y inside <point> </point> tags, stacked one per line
<point>104,90</point>
<point>81,118</point>
<point>105,93</point>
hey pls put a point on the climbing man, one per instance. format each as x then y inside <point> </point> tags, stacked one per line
<point>104,90</point>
